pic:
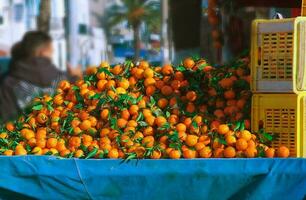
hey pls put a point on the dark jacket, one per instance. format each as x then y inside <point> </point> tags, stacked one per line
<point>25,80</point>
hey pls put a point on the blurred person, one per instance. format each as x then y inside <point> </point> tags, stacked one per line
<point>31,72</point>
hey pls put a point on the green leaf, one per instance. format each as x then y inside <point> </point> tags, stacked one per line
<point>79,98</point>
<point>48,153</point>
<point>101,102</point>
<point>79,106</point>
<point>28,148</point>
<point>70,155</point>
<point>261,151</point>
<point>37,107</point>
<point>88,83</point>
<point>75,88</point>
<point>139,98</point>
<point>139,117</point>
<point>70,130</point>
<point>237,127</point>
<point>168,114</point>
<point>84,148</point>
<point>106,71</point>
<point>49,107</point>
<point>113,88</point>
<point>3,141</point>
<point>195,124</point>
<point>113,123</point>
<point>180,68</point>
<point>268,136</point>
<point>158,112</point>
<point>222,141</point>
<point>202,66</point>
<point>96,96</point>
<point>92,153</point>
<point>142,124</point>
<point>166,126</point>
<point>242,126</point>
<point>130,157</point>
<point>152,101</point>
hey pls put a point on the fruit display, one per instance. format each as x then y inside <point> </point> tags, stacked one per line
<point>134,110</point>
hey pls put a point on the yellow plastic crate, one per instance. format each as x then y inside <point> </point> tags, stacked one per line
<point>299,55</point>
<point>285,115</point>
<point>303,13</point>
<point>272,55</point>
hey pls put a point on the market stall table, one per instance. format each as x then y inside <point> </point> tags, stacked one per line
<point>45,177</point>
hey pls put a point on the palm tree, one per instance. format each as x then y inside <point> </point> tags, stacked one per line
<point>135,12</point>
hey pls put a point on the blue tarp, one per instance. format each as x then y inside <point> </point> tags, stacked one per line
<point>45,177</point>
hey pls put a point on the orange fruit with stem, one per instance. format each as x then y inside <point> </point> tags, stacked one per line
<point>245,134</point>
<point>251,152</point>
<point>218,153</point>
<point>85,125</point>
<point>78,153</point>
<point>42,118</point>
<point>101,85</point>
<point>8,152</point>
<point>229,152</point>
<point>199,146</point>
<point>191,95</point>
<point>230,140</point>
<point>190,108</point>
<point>20,151</point>
<point>175,84</point>
<point>160,121</point>
<point>148,73</point>
<point>113,154</point>
<point>223,129</point>
<point>167,70</point>
<point>179,76</point>
<point>283,152</point>
<point>117,70</point>
<point>10,126</point>
<point>241,144</point>
<point>133,110</point>
<point>121,123</point>
<point>159,84</point>
<point>189,153</point>
<point>148,141</point>
<point>166,90</point>
<point>156,154</point>
<point>51,143</point>
<point>174,154</point>
<point>270,153</point>
<point>205,152</point>
<point>191,140</point>
<point>188,63</point>
<point>162,103</point>
<point>181,127</point>
<point>149,81</point>
<point>229,94</point>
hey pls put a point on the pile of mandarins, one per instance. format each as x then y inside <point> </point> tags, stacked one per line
<point>132,111</point>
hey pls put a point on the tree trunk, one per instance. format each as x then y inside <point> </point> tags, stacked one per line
<point>43,20</point>
<point>136,30</point>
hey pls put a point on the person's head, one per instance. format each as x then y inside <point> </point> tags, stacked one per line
<point>33,44</point>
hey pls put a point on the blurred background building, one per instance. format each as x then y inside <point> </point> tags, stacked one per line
<point>88,31</point>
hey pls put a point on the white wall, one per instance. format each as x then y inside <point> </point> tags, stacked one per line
<point>14,21</point>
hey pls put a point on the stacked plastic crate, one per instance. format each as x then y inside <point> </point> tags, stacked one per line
<point>278,70</point>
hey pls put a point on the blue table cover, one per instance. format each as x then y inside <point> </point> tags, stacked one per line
<point>43,177</point>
